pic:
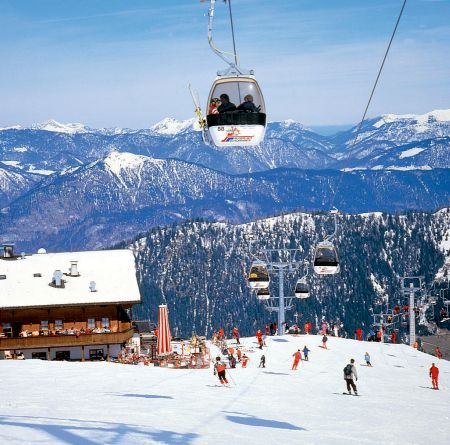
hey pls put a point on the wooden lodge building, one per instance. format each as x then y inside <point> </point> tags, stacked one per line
<point>66,306</point>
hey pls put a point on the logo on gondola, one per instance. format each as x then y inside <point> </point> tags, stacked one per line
<point>233,135</point>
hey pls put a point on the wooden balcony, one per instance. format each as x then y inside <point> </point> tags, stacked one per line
<point>57,341</point>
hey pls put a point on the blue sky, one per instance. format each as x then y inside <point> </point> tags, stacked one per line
<point>128,63</point>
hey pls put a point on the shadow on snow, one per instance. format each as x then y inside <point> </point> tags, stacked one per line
<point>246,419</point>
<point>85,432</point>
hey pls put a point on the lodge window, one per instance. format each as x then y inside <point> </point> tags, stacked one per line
<point>91,323</point>
<point>44,325</point>
<point>7,329</point>
<point>58,325</point>
<point>96,354</point>
<point>105,322</point>
<point>62,355</point>
<point>39,355</point>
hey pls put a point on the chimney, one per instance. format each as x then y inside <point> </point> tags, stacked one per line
<point>74,269</point>
<point>8,250</point>
<point>57,278</point>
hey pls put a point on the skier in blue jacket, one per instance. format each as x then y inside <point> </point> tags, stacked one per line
<point>305,353</point>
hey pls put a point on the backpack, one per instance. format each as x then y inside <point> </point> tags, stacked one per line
<point>348,370</point>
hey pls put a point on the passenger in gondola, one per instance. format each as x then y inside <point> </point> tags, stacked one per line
<point>215,103</point>
<point>226,105</point>
<point>248,105</point>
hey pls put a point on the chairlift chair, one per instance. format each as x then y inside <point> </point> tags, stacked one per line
<point>263,294</point>
<point>326,260</point>
<point>245,123</point>
<point>258,278</point>
<point>236,127</point>
<point>301,288</point>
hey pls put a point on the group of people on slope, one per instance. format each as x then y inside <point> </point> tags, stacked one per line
<point>224,105</point>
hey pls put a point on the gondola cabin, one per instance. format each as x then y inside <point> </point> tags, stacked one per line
<point>326,260</point>
<point>236,113</point>
<point>263,294</point>
<point>301,289</point>
<point>258,278</point>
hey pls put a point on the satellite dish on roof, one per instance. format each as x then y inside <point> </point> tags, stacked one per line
<point>41,250</point>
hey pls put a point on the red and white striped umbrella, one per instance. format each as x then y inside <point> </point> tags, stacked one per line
<point>163,346</point>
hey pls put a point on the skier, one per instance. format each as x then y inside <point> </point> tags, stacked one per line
<point>305,353</point>
<point>434,374</point>
<point>259,338</point>
<point>239,354</point>
<point>221,334</point>
<point>262,363</point>
<point>324,342</point>
<point>349,375</point>
<point>306,327</point>
<point>336,330</point>
<point>232,361</point>
<point>244,360</point>
<point>297,357</point>
<point>267,329</point>
<point>359,334</point>
<point>271,328</point>
<point>438,352</point>
<point>367,359</point>
<point>219,369</point>
<point>236,335</point>
<point>275,327</point>
<point>394,337</point>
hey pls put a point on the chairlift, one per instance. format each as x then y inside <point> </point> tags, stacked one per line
<point>263,294</point>
<point>326,261</point>
<point>258,278</point>
<point>236,113</point>
<point>301,288</point>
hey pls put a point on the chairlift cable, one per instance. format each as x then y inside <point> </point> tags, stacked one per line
<point>372,93</point>
<point>232,33</point>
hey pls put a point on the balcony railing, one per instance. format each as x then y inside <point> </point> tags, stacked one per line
<point>55,341</point>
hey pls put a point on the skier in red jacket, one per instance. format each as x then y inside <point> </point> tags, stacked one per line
<point>259,337</point>
<point>359,334</point>
<point>236,335</point>
<point>434,374</point>
<point>219,369</point>
<point>438,352</point>
<point>394,337</point>
<point>297,357</point>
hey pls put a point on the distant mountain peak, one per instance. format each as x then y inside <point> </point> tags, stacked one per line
<point>171,126</point>
<point>57,127</point>
<point>420,119</point>
<point>119,161</point>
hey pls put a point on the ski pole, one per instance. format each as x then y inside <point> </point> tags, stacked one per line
<point>231,377</point>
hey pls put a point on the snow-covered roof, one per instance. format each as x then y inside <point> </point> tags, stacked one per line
<point>113,272</point>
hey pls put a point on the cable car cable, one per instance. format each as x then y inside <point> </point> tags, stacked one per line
<point>371,94</point>
<point>232,32</point>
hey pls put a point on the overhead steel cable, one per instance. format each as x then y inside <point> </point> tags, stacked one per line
<point>371,94</point>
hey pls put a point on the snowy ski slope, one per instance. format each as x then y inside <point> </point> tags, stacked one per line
<point>105,403</point>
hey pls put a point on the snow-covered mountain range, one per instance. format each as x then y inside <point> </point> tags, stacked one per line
<point>113,183</point>
<point>105,201</point>
<point>53,146</point>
